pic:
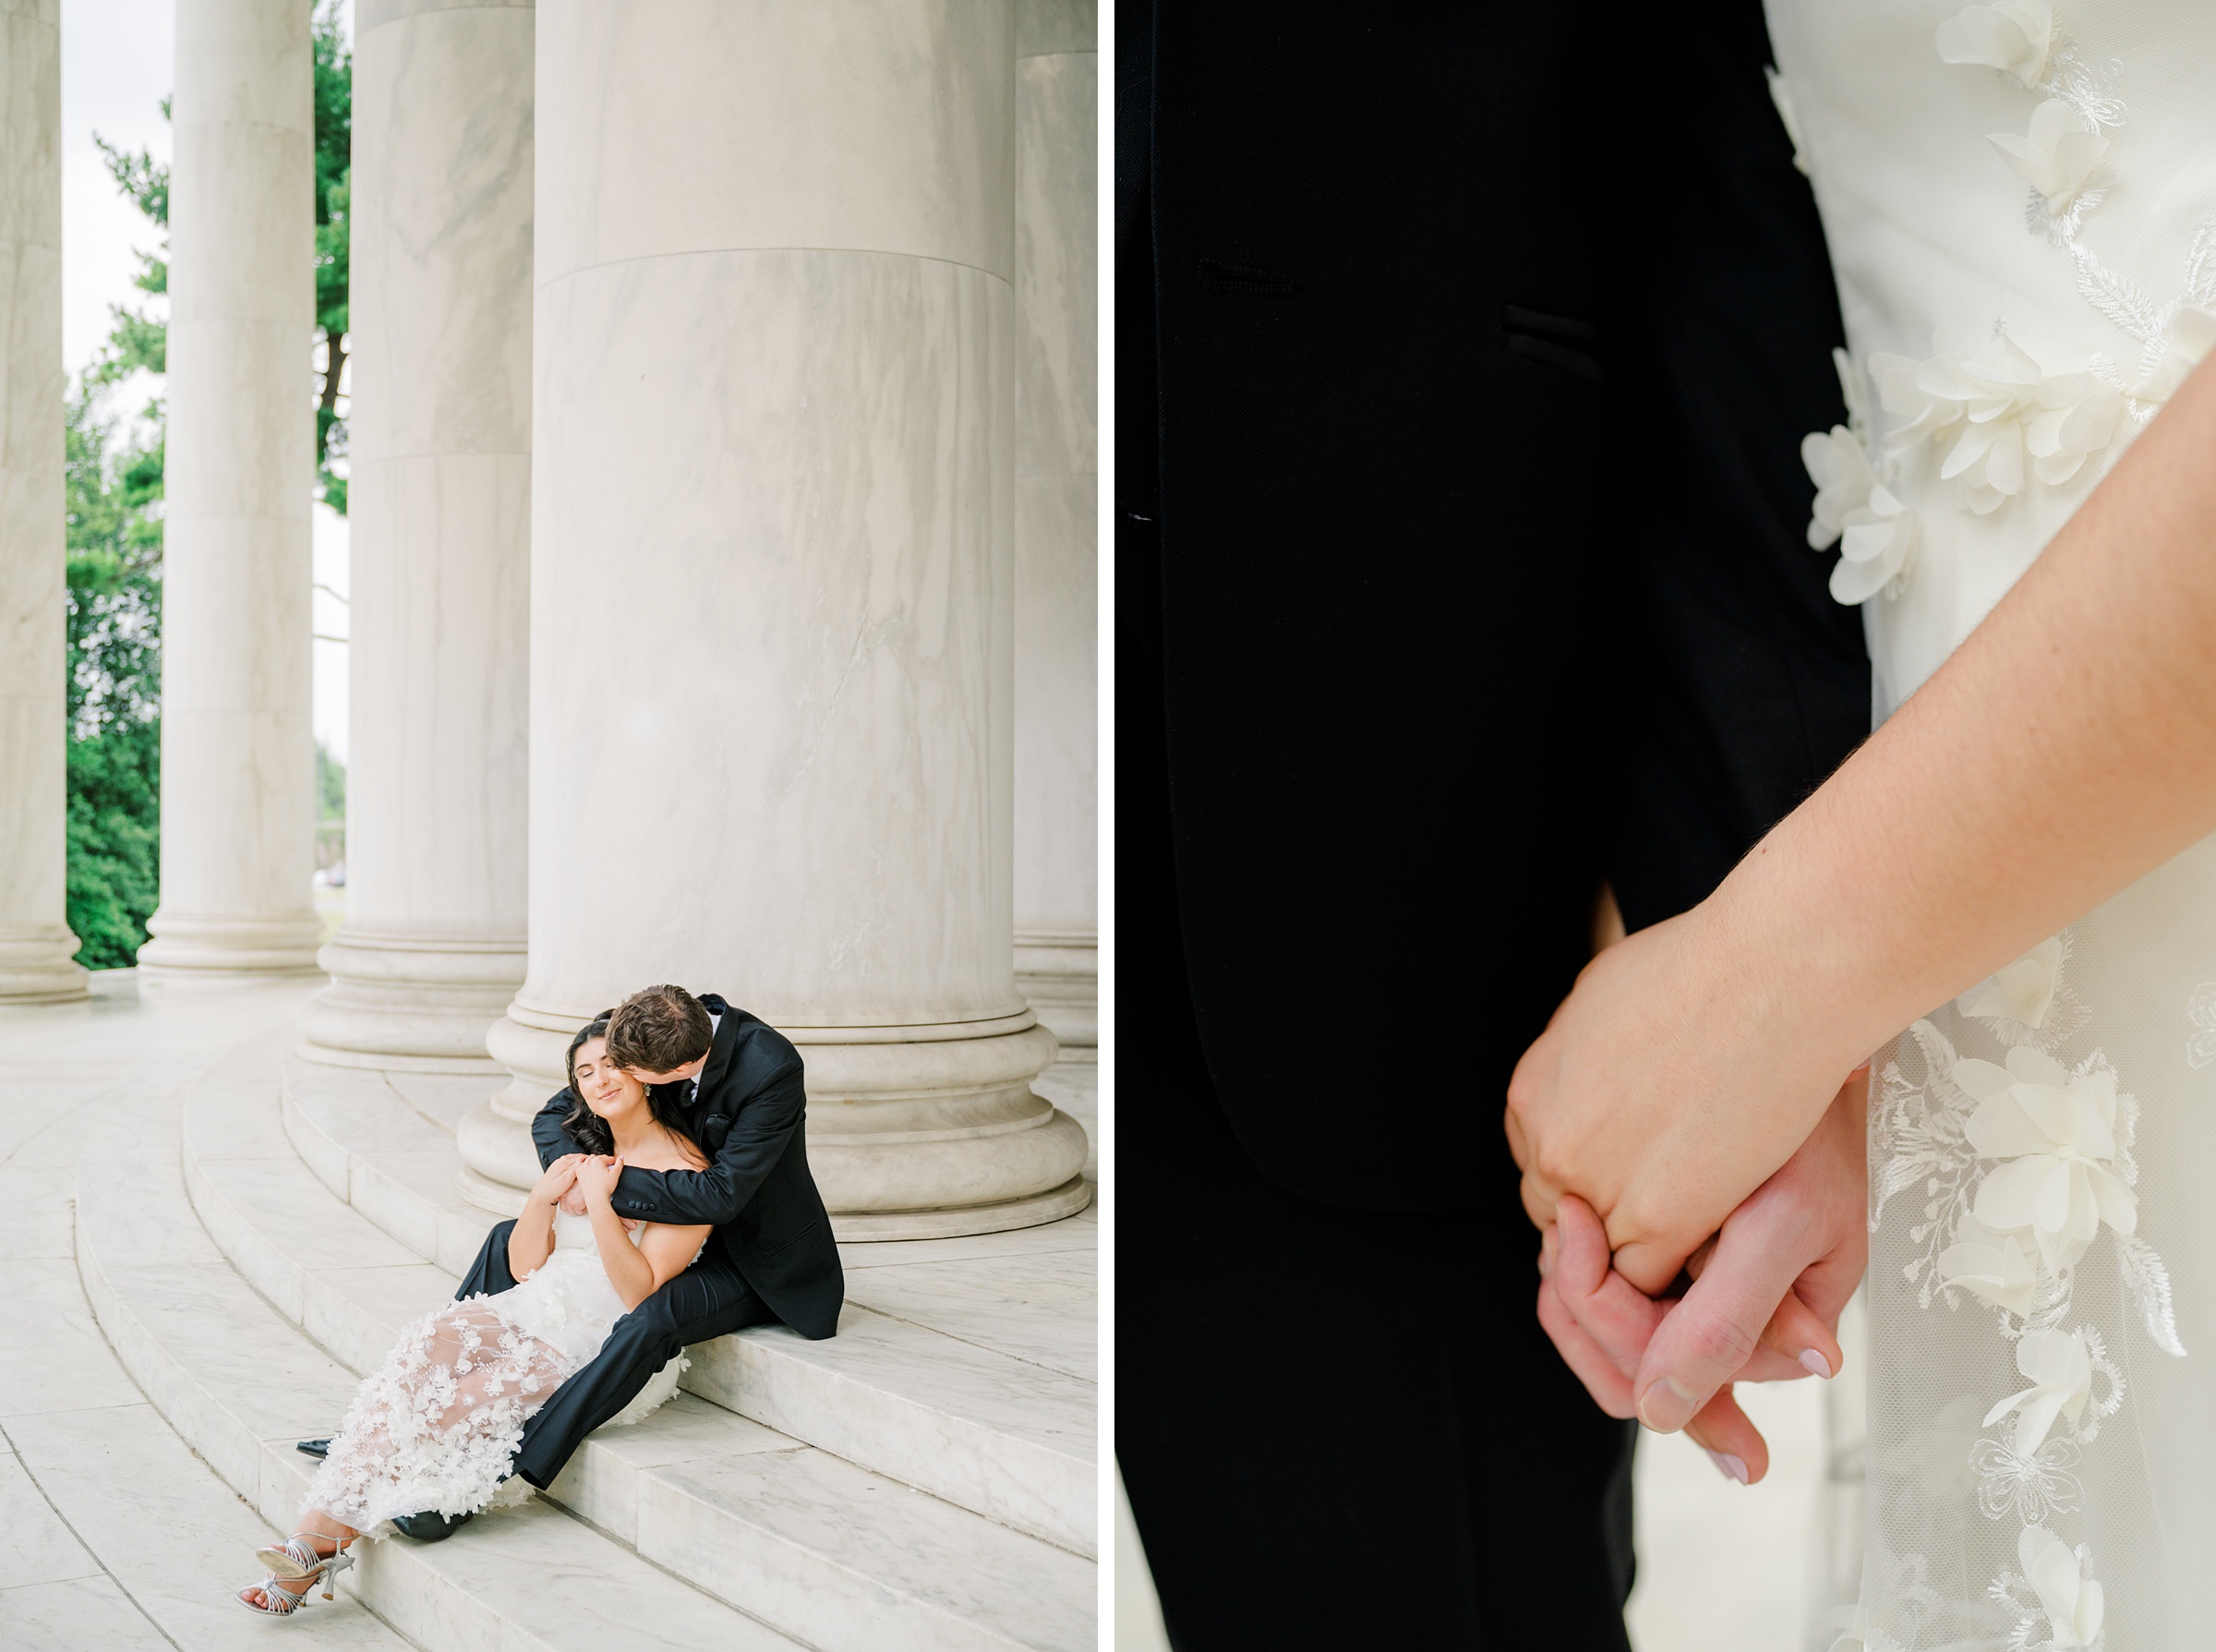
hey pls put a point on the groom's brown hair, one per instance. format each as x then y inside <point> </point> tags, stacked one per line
<point>658,1029</point>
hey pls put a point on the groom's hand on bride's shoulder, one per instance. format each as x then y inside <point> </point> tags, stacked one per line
<point>1764,1304</point>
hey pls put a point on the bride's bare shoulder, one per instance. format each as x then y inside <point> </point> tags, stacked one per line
<point>672,1151</point>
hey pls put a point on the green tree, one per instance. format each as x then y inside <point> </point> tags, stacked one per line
<point>113,500</point>
<point>330,785</point>
<point>112,491</point>
<point>334,184</point>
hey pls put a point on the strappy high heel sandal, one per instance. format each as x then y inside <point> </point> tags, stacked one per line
<point>276,1600</point>
<point>296,1560</point>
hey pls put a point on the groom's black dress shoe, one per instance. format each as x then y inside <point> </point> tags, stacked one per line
<point>431,1527</point>
<point>315,1448</point>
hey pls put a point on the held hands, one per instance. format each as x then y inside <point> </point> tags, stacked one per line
<point>1672,1082</point>
<point>1764,1303</point>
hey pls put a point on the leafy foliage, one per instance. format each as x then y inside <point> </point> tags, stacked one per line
<point>113,530</point>
<point>334,184</point>
<point>330,785</point>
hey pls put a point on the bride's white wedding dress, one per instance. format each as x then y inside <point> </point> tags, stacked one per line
<point>2020,201</point>
<point>437,1425</point>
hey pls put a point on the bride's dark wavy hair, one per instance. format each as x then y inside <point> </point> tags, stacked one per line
<point>590,1131</point>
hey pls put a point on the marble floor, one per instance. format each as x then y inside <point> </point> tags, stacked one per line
<point>114,1532</point>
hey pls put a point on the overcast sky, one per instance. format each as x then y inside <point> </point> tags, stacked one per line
<point>116,71</point>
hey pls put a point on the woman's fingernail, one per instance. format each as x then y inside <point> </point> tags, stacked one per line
<point>1666,1405</point>
<point>1731,1467</point>
<point>1815,1364</point>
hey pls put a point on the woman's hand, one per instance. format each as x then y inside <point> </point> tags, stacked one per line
<point>1674,1080</point>
<point>556,1181</point>
<point>531,1241</point>
<point>1765,1303</point>
<point>596,1177</point>
<point>2033,775</point>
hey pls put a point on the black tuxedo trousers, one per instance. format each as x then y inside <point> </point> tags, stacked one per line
<point>1338,1429</point>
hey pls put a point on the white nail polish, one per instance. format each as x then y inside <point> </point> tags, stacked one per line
<point>1731,1467</point>
<point>1815,1364</point>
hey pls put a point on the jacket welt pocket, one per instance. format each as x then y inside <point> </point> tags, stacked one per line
<point>1561,341</point>
<point>791,1240</point>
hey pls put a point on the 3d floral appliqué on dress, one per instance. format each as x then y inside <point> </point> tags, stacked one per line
<point>435,1425</point>
<point>2020,200</point>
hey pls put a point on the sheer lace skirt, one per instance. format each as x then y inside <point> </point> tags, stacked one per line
<point>2043,1295</point>
<point>437,1425</point>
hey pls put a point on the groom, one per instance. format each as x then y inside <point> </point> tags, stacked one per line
<point>1439,613</point>
<point>772,1258</point>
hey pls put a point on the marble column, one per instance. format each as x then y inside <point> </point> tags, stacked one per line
<point>433,947</point>
<point>237,751</point>
<point>35,943</point>
<point>772,567</point>
<point>1056,487</point>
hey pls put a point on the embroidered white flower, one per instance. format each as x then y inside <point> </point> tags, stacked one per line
<point>1835,463</point>
<point>2023,992</point>
<point>2058,156</point>
<point>1998,1269</point>
<point>2060,1369</point>
<point>2034,1486</point>
<point>2057,1131</point>
<point>1993,410</point>
<point>2191,333</point>
<point>1877,542</point>
<point>2014,36</point>
<point>2070,1599</point>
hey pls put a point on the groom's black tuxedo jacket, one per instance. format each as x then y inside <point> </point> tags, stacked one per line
<point>1463,355</point>
<point>1466,357</point>
<point>750,1113</point>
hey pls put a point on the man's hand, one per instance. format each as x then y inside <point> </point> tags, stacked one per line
<point>1764,1306</point>
<point>1668,1086</point>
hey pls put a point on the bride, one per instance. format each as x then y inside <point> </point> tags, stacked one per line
<point>2017,869</point>
<point>435,1428</point>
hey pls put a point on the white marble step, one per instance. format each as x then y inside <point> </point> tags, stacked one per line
<point>936,1378</point>
<point>240,1385</point>
<point>114,1535</point>
<point>844,1557</point>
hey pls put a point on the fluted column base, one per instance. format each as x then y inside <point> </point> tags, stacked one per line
<point>913,1132</point>
<point>411,1003</point>
<point>36,967</point>
<point>1058,972</point>
<point>188,948</point>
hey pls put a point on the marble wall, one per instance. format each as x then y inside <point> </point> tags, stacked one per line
<point>35,943</point>
<point>238,754</point>
<point>773,582</point>
<point>433,947</point>
<point>1056,494</point>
